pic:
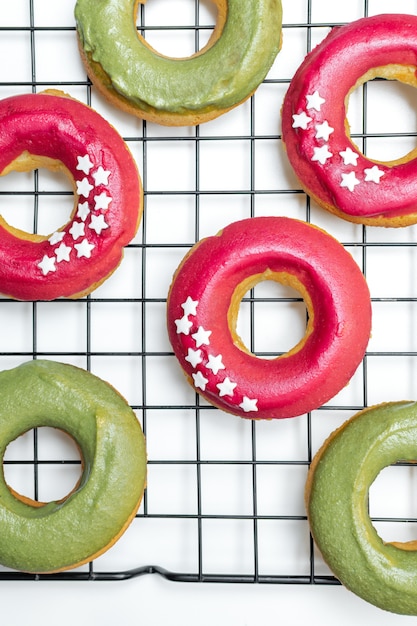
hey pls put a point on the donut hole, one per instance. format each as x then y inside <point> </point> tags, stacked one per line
<point>175,29</point>
<point>271,318</point>
<point>42,465</point>
<point>390,123</point>
<point>393,504</point>
<point>36,200</point>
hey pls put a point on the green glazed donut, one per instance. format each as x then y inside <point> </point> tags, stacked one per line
<point>171,91</point>
<point>48,537</point>
<point>384,574</point>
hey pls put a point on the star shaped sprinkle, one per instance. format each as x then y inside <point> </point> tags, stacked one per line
<point>56,237</point>
<point>201,337</point>
<point>215,364</point>
<point>248,405</point>
<point>190,306</point>
<point>84,249</point>
<point>226,388</point>
<point>47,265</point>
<point>314,101</point>
<point>77,230</point>
<point>101,176</point>
<point>322,154</point>
<point>194,357</point>
<point>83,211</point>
<point>183,325</point>
<point>373,174</point>
<point>84,164</point>
<point>84,187</point>
<point>63,253</point>
<point>323,131</point>
<point>349,157</point>
<point>98,223</point>
<point>301,120</point>
<point>349,181</point>
<point>199,381</point>
<point>102,201</point>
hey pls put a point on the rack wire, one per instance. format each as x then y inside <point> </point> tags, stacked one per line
<point>224,501</point>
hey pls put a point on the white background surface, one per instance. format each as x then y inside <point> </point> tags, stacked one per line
<point>119,333</point>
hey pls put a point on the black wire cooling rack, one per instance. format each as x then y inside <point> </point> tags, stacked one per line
<point>224,501</point>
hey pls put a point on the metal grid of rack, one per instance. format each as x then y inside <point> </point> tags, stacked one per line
<point>224,500</point>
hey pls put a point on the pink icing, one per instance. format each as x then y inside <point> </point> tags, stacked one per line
<point>314,118</point>
<point>107,209</point>
<point>238,381</point>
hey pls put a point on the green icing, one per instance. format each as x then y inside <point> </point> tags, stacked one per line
<point>60,534</point>
<point>382,574</point>
<point>221,77</point>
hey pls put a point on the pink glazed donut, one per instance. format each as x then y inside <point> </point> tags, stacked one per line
<point>315,131</point>
<point>203,305</point>
<point>54,131</point>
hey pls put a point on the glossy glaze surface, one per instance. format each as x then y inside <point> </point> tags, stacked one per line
<point>219,77</point>
<point>60,133</point>
<point>203,305</point>
<point>316,133</point>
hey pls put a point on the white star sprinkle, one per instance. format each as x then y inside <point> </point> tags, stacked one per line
<point>56,237</point>
<point>77,230</point>
<point>373,174</point>
<point>323,131</point>
<point>84,164</point>
<point>314,101</point>
<point>47,265</point>
<point>349,157</point>
<point>349,181</point>
<point>248,404</point>
<point>190,306</point>
<point>322,154</point>
<point>102,201</point>
<point>194,357</point>
<point>83,211</point>
<point>215,364</point>
<point>301,120</point>
<point>200,381</point>
<point>183,325</point>
<point>98,223</point>
<point>101,176</point>
<point>201,337</point>
<point>84,249</point>
<point>226,388</point>
<point>63,253</point>
<point>84,187</point>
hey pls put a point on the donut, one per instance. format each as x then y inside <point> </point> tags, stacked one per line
<point>315,131</point>
<point>50,537</point>
<point>337,494</point>
<point>57,132</point>
<point>172,91</point>
<point>203,306</point>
